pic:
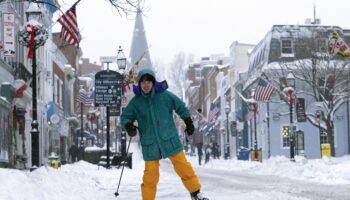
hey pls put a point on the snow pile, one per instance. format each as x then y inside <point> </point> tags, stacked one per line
<point>82,180</point>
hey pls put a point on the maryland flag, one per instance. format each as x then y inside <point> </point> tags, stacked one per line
<point>138,61</point>
<point>338,46</point>
<point>129,79</point>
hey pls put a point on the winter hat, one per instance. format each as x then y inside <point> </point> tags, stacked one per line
<point>147,77</point>
<point>146,74</point>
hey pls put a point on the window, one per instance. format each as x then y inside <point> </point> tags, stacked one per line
<point>323,136</point>
<point>285,136</point>
<point>286,46</point>
<point>61,93</point>
<point>58,95</point>
<point>4,135</point>
<point>198,73</point>
<point>55,89</point>
<point>322,44</point>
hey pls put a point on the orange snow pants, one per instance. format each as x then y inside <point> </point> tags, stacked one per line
<point>182,167</point>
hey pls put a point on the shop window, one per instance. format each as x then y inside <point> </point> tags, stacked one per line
<point>324,137</point>
<point>285,136</point>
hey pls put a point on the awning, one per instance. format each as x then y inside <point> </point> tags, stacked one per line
<point>73,120</point>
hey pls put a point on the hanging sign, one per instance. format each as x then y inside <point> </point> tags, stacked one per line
<point>300,109</point>
<point>9,34</point>
<point>108,88</point>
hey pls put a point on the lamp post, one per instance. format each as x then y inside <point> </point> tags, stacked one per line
<point>121,59</point>
<point>254,107</point>
<point>33,35</point>
<point>121,62</point>
<point>318,116</point>
<point>290,90</point>
<point>82,94</point>
<point>227,111</point>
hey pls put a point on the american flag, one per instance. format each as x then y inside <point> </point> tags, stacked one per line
<point>78,108</point>
<point>263,91</point>
<point>81,98</point>
<point>70,31</point>
<point>90,99</point>
<point>214,110</point>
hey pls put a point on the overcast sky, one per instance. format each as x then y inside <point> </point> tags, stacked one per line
<point>201,27</point>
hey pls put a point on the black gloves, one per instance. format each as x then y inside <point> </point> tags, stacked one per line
<point>189,126</point>
<point>130,129</point>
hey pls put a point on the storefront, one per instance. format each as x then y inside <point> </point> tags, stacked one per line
<point>4,131</point>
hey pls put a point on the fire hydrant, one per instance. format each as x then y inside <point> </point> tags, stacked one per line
<point>54,160</point>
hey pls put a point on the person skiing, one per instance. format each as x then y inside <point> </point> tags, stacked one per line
<point>152,107</point>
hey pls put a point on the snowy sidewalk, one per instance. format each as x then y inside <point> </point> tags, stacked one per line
<point>222,180</point>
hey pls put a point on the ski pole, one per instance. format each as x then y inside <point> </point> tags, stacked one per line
<point>120,178</point>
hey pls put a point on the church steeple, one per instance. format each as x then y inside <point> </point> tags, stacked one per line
<point>139,51</point>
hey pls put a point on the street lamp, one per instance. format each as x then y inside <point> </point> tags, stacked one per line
<point>121,62</point>
<point>227,111</point>
<point>82,94</point>
<point>33,35</point>
<point>290,90</point>
<point>121,59</point>
<point>318,117</point>
<point>254,107</point>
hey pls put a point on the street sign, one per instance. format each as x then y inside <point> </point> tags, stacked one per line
<point>114,111</point>
<point>233,128</point>
<point>108,88</point>
<point>300,109</point>
<point>108,59</point>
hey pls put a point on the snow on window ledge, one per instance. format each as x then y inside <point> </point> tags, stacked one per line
<point>287,55</point>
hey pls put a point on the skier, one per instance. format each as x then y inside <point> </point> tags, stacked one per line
<point>152,107</point>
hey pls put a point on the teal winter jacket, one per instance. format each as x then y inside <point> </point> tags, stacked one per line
<point>154,114</point>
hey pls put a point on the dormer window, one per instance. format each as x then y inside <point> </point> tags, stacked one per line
<point>287,48</point>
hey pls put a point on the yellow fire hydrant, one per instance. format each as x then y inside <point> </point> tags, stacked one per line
<point>54,160</point>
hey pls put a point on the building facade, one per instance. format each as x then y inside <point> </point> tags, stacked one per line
<point>302,51</point>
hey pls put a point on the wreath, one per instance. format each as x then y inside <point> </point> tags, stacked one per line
<point>32,35</point>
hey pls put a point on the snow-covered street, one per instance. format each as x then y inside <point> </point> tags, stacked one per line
<point>273,179</point>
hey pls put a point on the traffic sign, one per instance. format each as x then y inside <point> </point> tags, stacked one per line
<point>108,88</point>
<point>115,111</point>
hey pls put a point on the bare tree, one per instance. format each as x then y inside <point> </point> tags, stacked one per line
<point>326,79</point>
<point>127,6</point>
<point>160,69</point>
<point>176,73</point>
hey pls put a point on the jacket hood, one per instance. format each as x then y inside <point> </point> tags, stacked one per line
<point>158,86</point>
<point>144,72</point>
